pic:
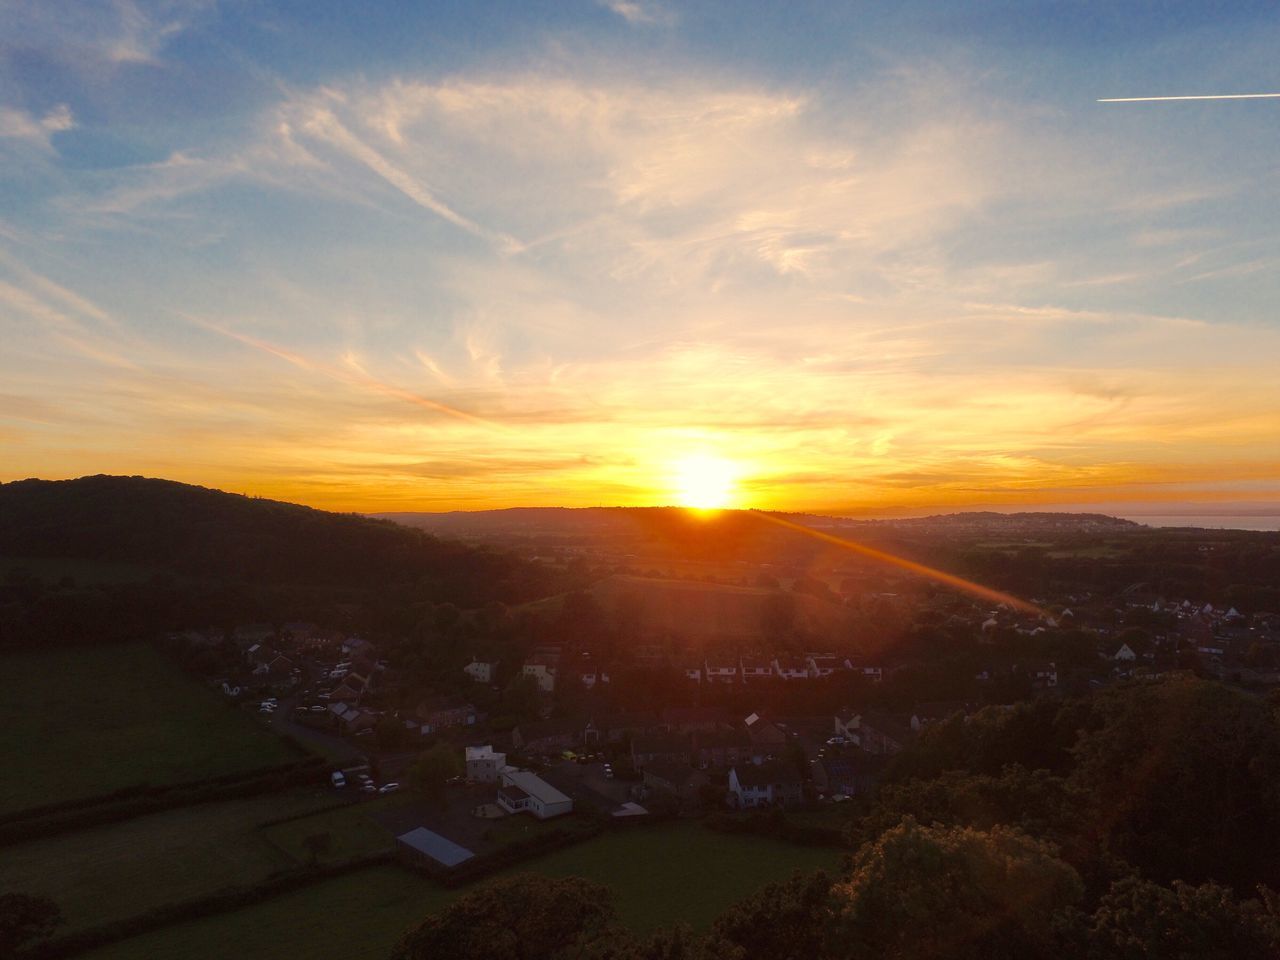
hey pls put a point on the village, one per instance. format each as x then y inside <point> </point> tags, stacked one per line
<point>723,732</point>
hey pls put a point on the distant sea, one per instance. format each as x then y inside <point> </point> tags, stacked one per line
<point>1218,522</point>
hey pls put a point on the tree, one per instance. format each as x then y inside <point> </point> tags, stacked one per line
<point>1184,775</point>
<point>784,921</point>
<point>522,697</point>
<point>433,768</point>
<point>958,893</point>
<point>25,919</point>
<point>520,918</point>
<point>1140,920</point>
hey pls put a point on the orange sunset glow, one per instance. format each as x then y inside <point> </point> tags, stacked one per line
<point>639,277</point>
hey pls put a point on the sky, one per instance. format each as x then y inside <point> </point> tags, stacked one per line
<point>461,255</point>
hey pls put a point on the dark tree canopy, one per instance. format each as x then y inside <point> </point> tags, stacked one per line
<point>524,917</point>
<point>25,919</point>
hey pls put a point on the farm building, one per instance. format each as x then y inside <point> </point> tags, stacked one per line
<point>520,790</point>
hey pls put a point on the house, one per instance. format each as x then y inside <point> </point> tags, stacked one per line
<point>659,748</point>
<point>483,764</point>
<point>723,748</point>
<point>614,728</point>
<point>755,669</point>
<point>765,785</point>
<point>542,671</point>
<point>1044,675</point>
<point>881,734</point>
<point>847,725</point>
<point>790,668</point>
<point>825,665</point>
<point>724,671</point>
<point>763,733</point>
<point>481,671</point>
<point>522,791</point>
<point>848,773</point>
<point>693,672</point>
<point>677,781</point>
<point>689,719</point>
<point>357,646</point>
<point>351,719</point>
<point>1125,654</point>
<point>545,736</point>
<point>437,715</point>
<point>350,690</point>
<point>261,654</point>
<point>873,674</point>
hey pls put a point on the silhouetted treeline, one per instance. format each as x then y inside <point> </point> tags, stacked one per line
<point>220,559</point>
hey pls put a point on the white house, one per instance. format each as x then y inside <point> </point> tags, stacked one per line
<point>484,765</point>
<point>1125,653</point>
<point>520,790</point>
<point>755,669</point>
<point>543,672</point>
<point>725,672</point>
<point>772,783</point>
<point>481,671</point>
<point>791,668</point>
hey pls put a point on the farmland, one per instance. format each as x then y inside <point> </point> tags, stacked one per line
<point>660,875</point>
<point>106,718</point>
<point>116,871</point>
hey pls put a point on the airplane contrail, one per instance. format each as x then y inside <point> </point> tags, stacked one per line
<point>1215,96</point>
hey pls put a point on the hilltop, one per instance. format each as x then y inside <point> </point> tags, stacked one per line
<point>580,521</point>
<point>199,532</point>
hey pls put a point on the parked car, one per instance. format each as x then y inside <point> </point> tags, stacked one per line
<point>338,779</point>
<point>317,708</point>
<point>389,787</point>
<point>368,788</point>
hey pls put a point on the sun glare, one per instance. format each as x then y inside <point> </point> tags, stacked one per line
<point>705,482</point>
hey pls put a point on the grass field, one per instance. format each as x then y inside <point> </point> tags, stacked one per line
<point>86,721</point>
<point>359,916</point>
<point>660,875</point>
<point>120,870</point>
<point>352,832</point>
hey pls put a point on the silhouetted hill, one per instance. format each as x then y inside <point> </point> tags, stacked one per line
<point>199,532</point>
<point>671,521</point>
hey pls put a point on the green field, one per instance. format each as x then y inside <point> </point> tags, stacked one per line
<point>359,916</point>
<point>120,870</point>
<point>351,831</point>
<point>87,721</point>
<point>661,875</point>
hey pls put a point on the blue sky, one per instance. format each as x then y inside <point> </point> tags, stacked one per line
<point>476,254</point>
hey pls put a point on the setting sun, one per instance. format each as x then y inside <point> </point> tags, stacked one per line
<point>705,482</point>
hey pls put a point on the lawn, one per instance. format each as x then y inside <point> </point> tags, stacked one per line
<point>120,870</point>
<point>359,916</point>
<point>89,720</point>
<point>661,875</point>
<point>682,872</point>
<point>351,830</point>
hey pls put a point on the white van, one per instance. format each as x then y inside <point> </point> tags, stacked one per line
<point>338,780</point>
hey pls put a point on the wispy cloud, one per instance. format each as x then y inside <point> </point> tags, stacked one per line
<point>16,124</point>
<point>638,13</point>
